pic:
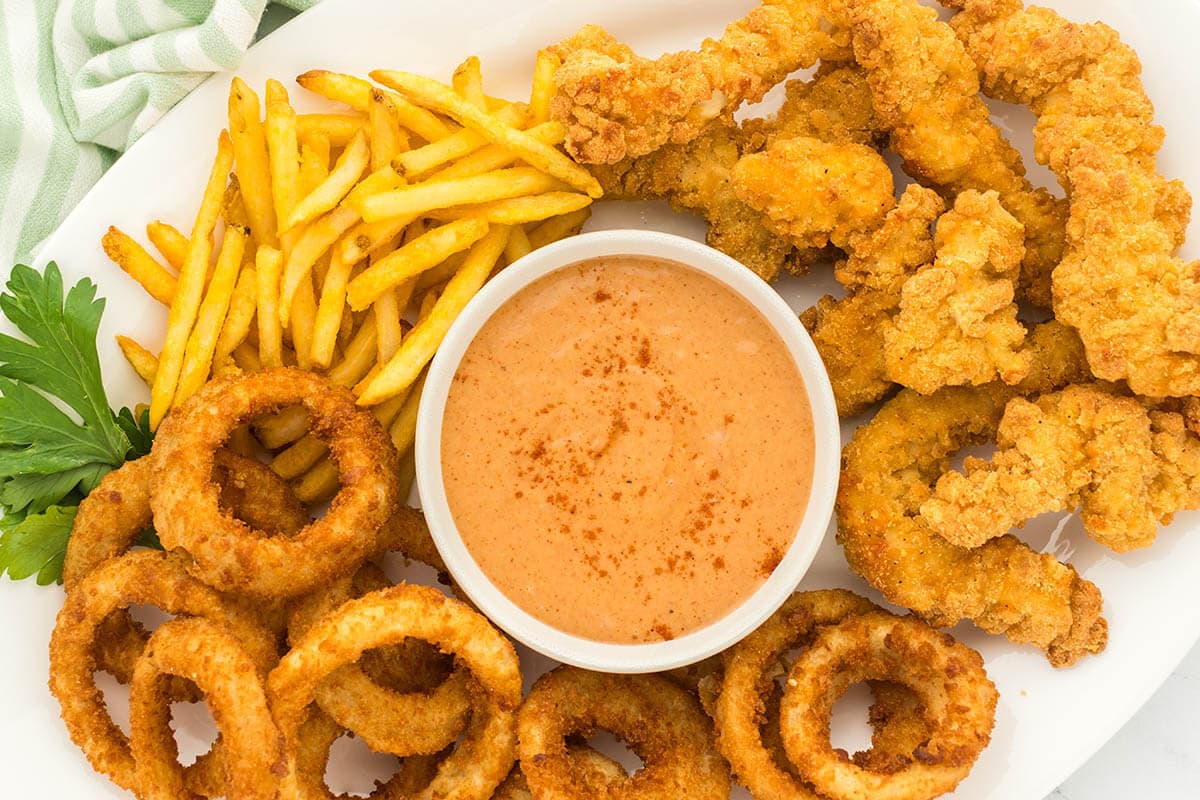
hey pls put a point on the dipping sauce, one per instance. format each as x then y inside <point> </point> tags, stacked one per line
<point>627,449</point>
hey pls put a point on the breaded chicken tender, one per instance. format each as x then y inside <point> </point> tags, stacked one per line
<point>835,105</point>
<point>848,332</point>
<point>813,192</point>
<point>1135,305</point>
<point>889,469</point>
<point>957,322</point>
<point>615,103</point>
<point>697,177</point>
<point>925,88</point>
<point>1127,469</point>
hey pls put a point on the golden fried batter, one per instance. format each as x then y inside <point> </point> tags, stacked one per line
<point>1136,306</point>
<point>696,177</point>
<point>617,104</point>
<point>848,332</point>
<point>925,88</point>
<point>888,471</point>
<point>1127,468</point>
<point>957,323</point>
<point>813,192</point>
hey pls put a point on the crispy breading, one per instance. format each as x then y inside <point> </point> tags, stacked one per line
<point>889,468</point>
<point>1136,306</point>
<point>617,104</point>
<point>696,177</point>
<point>925,88</point>
<point>848,332</point>
<point>957,321</point>
<point>812,192</point>
<point>834,106</point>
<point>1127,469</point>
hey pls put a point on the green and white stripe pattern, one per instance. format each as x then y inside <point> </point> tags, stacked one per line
<point>81,80</point>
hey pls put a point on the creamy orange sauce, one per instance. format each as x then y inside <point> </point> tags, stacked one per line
<point>627,449</point>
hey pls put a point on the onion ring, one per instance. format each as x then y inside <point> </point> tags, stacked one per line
<point>746,694</point>
<point>598,770</point>
<point>112,517</point>
<point>146,577</point>
<point>205,653</point>
<point>958,697</point>
<point>661,722</point>
<point>389,719</point>
<point>389,616</point>
<point>317,735</point>
<point>225,552</point>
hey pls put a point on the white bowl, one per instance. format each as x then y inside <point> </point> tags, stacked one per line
<point>718,635</point>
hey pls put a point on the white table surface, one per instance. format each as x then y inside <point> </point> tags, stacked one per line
<point>1156,756</point>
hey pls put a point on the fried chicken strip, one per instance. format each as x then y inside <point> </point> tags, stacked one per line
<point>1127,468</point>
<point>1135,305</point>
<point>957,322</point>
<point>848,332</point>
<point>615,103</point>
<point>925,88</point>
<point>889,469</point>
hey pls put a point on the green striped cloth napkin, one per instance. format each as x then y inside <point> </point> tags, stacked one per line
<point>81,80</point>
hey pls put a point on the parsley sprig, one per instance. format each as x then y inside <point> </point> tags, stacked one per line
<point>58,435</point>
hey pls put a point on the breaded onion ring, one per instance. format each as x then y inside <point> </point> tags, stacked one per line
<point>958,699</point>
<point>661,722</point>
<point>317,735</point>
<point>747,692</point>
<point>597,769</point>
<point>226,552</point>
<point>112,517</point>
<point>205,653</point>
<point>399,720</point>
<point>146,577</point>
<point>389,616</point>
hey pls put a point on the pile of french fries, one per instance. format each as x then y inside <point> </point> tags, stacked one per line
<point>336,227</point>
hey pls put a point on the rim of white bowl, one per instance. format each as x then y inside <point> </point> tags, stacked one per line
<point>520,624</point>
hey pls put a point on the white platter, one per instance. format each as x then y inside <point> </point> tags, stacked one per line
<point>1048,722</point>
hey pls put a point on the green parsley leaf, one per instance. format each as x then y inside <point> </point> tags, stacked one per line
<point>137,430</point>
<point>36,544</point>
<point>32,493</point>
<point>61,360</point>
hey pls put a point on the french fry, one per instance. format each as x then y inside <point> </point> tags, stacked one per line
<point>403,429</point>
<point>168,241</point>
<point>251,161</point>
<point>387,137</point>
<point>281,428</point>
<point>190,288</point>
<point>330,310</point>
<point>336,185</point>
<point>518,210</point>
<point>233,210</point>
<point>304,314</point>
<point>443,99</point>
<point>384,179</point>
<point>420,198</point>
<point>441,273</point>
<point>495,156</point>
<point>543,86</point>
<point>356,93</point>
<point>299,457</point>
<point>456,145</point>
<point>468,82</point>
<point>518,245</point>
<point>557,228</point>
<point>314,168</point>
<point>339,129</point>
<point>317,237</point>
<point>283,149</point>
<point>428,301</point>
<point>144,363</point>
<point>419,346</point>
<point>139,265</point>
<point>412,259</point>
<point>406,473</point>
<point>268,262</point>
<point>242,442</point>
<point>359,356</point>
<point>240,316</point>
<point>388,310</point>
<point>246,358</point>
<point>197,358</point>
